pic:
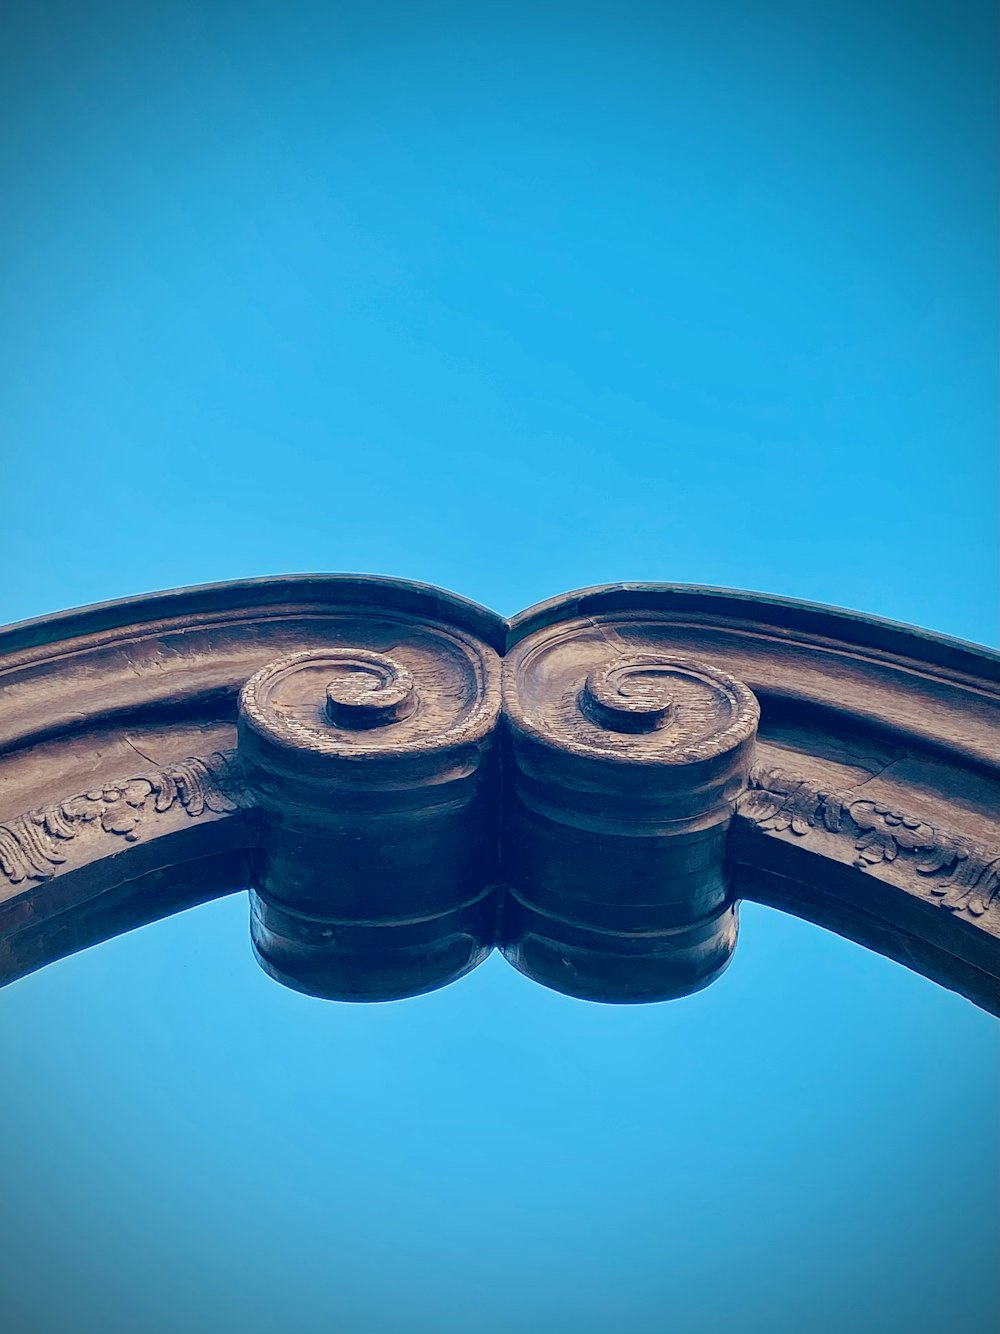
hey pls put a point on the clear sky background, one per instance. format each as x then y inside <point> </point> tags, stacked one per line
<point>511,298</point>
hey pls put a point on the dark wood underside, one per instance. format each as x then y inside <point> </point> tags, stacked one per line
<point>870,808</point>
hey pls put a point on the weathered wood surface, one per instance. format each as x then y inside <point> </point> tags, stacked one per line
<point>404,780</point>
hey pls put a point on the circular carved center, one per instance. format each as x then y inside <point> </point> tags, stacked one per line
<point>369,690</point>
<point>416,693</point>
<point>629,694</point>
<point>615,689</point>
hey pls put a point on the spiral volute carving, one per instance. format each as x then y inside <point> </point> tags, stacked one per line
<point>372,763</point>
<point>624,762</point>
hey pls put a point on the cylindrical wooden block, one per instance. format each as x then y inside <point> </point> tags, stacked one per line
<point>374,771</point>
<point>622,764</point>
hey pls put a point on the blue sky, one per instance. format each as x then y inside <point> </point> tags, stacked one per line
<point>511,299</point>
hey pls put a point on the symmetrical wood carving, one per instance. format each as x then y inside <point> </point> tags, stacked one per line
<point>404,780</point>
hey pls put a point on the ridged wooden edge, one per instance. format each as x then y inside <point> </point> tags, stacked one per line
<point>871,807</point>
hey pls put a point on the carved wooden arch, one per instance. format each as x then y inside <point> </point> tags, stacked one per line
<point>404,780</point>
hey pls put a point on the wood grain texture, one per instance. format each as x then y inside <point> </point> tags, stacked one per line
<point>659,752</point>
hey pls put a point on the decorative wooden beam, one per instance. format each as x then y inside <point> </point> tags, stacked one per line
<point>404,780</point>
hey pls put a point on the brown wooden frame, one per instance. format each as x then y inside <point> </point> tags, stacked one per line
<point>593,785</point>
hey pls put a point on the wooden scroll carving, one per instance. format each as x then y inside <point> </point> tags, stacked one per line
<point>375,775</point>
<point>404,780</point>
<point>624,765</point>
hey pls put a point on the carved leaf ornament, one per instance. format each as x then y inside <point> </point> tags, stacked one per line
<point>779,801</point>
<point>403,781</point>
<point>32,846</point>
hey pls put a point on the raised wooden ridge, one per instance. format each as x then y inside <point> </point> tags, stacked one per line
<point>862,795</point>
<point>838,624</point>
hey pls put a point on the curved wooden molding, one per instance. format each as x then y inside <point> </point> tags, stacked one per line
<point>410,780</point>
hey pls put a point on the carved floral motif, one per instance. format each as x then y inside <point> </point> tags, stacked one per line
<point>31,845</point>
<point>780,801</point>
